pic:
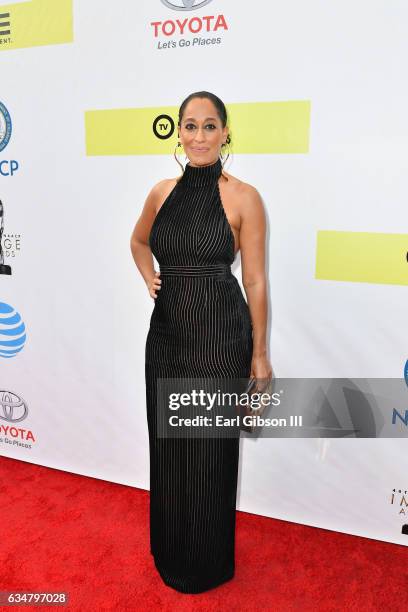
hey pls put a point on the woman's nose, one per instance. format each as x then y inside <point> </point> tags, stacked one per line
<point>200,134</point>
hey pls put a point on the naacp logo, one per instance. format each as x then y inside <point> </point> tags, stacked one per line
<point>12,407</point>
<point>5,127</point>
<point>185,5</point>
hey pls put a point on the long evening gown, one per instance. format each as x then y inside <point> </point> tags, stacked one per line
<point>200,326</point>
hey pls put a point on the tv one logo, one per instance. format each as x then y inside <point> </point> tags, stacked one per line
<point>185,5</point>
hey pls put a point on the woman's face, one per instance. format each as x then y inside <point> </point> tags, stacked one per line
<point>201,132</point>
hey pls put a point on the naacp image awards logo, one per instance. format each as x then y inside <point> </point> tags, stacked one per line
<point>5,126</point>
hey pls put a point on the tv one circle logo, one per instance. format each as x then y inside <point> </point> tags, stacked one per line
<point>163,127</point>
<point>185,5</point>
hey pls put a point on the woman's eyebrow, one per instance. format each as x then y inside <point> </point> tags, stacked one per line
<point>206,119</point>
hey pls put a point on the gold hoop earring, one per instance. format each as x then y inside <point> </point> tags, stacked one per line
<point>175,156</point>
<point>228,154</point>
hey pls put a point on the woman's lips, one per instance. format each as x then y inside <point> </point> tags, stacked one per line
<point>199,150</point>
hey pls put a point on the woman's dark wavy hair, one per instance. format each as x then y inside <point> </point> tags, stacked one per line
<point>218,103</point>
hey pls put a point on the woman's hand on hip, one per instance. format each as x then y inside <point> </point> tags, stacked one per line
<point>154,285</point>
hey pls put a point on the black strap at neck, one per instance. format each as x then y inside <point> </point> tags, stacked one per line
<point>198,176</point>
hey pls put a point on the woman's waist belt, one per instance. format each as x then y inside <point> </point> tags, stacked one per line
<point>220,270</point>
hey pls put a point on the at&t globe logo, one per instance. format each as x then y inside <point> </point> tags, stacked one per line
<point>12,331</point>
<point>185,5</point>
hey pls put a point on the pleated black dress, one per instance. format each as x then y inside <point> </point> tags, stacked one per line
<point>200,326</point>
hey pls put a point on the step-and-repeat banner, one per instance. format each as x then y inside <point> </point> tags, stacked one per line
<point>317,96</point>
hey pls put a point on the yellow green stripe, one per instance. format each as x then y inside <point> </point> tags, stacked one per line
<point>362,257</point>
<point>255,127</point>
<point>39,22</point>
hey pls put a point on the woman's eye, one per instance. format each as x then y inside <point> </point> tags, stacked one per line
<point>189,126</point>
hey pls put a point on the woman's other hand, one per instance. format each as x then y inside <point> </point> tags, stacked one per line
<point>154,285</point>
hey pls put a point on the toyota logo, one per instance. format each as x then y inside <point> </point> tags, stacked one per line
<point>12,407</point>
<point>185,5</point>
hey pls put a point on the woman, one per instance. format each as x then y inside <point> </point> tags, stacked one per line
<point>201,326</point>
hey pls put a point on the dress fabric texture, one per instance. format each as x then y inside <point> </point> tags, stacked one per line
<point>200,327</point>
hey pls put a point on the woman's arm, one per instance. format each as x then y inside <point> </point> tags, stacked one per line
<point>139,241</point>
<point>252,244</point>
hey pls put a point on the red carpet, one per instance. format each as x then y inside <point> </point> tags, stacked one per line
<point>90,538</point>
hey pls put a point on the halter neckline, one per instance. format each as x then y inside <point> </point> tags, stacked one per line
<point>199,176</point>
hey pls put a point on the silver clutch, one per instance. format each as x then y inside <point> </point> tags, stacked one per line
<point>245,409</point>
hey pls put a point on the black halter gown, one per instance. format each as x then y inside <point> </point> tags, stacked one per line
<point>200,326</point>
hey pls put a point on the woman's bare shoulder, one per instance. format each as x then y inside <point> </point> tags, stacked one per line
<point>164,184</point>
<point>161,190</point>
<point>247,192</point>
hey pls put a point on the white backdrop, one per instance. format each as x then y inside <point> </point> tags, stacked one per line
<point>86,308</point>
